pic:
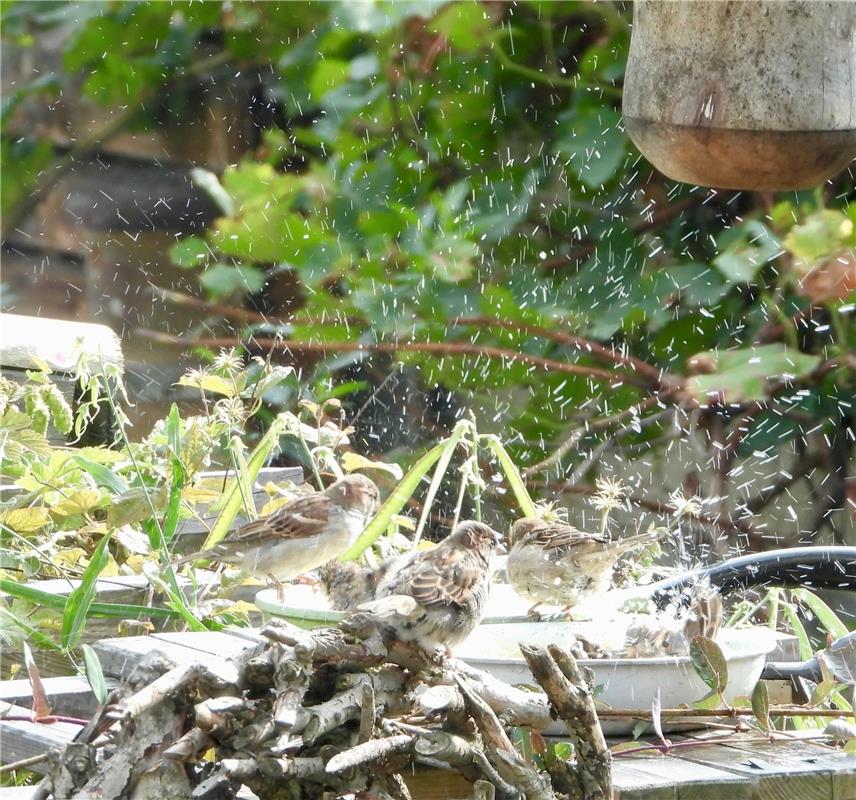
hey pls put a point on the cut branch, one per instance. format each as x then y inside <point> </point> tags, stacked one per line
<point>438,349</point>
<point>563,681</point>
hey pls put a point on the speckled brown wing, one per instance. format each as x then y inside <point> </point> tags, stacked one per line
<point>440,577</point>
<point>562,539</point>
<point>300,519</point>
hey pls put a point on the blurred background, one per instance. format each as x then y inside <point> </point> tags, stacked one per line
<point>431,210</point>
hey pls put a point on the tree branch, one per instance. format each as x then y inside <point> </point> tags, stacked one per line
<point>431,348</point>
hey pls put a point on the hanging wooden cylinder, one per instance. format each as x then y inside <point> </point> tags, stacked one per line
<point>754,94</point>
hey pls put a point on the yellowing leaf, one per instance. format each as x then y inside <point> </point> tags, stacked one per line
<point>26,520</point>
<point>80,502</point>
<point>209,383</point>
<point>351,462</point>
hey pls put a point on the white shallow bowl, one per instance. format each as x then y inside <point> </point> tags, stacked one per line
<point>625,682</point>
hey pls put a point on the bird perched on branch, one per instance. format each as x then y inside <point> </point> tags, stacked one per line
<point>302,534</point>
<point>435,598</point>
<point>554,563</point>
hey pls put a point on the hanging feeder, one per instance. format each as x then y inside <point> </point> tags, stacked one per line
<point>756,94</point>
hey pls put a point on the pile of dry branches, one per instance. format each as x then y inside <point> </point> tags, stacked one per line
<point>329,712</point>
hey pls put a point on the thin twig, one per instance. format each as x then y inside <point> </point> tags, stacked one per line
<point>775,711</point>
<point>654,374</point>
<point>24,763</point>
<point>431,348</point>
<point>571,441</point>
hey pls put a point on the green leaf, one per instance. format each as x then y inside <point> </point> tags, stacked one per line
<point>737,376</point>
<point>34,635</point>
<point>761,705</point>
<point>190,252</point>
<point>351,462</point>
<point>328,75</point>
<point>395,502</point>
<point>78,602</point>
<point>821,235</point>
<point>102,475</point>
<point>744,250</point>
<point>465,25</point>
<point>709,663</point>
<point>798,629</point>
<point>95,674</point>
<point>225,279</point>
<point>209,383</point>
<point>593,144</point>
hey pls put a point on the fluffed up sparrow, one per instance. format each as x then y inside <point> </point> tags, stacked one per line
<point>348,584</point>
<point>302,534</point>
<point>554,563</point>
<point>670,633</point>
<point>435,598</point>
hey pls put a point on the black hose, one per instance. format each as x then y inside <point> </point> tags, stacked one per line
<point>815,567</point>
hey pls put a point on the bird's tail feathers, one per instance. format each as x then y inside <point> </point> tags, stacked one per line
<point>639,540</point>
<point>401,605</point>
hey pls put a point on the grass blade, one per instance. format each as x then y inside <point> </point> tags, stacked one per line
<point>78,602</point>
<point>233,496</point>
<point>511,475</point>
<point>95,675</point>
<point>826,616</point>
<point>102,475</point>
<point>179,479</point>
<point>440,470</point>
<point>395,502</point>
<point>34,635</point>
<point>58,602</point>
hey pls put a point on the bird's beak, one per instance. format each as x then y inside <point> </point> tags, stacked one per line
<point>501,549</point>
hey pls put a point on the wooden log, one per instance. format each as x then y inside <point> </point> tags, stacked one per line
<point>374,753</point>
<point>500,751</point>
<point>758,95</point>
<point>559,676</point>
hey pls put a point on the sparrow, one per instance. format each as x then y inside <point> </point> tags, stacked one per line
<point>348,584</point>
<point>302,534</point>
<point>554,563</point>
<point>435,598</point>
<point>670,633</point>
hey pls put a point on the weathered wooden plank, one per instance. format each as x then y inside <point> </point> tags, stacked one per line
<point>688,780</point>
<point>69,696</point>
<point>780,771</point>
<point>23,739</point>
<point>17,792</point>
<point>120,656</point>
<point>24,341</point>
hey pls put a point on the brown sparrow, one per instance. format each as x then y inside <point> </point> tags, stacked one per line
<point>670,634</point>
<point>347,584</point>
<point>554,563</point>
<point>435,598</point>
<point>302,534</point>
